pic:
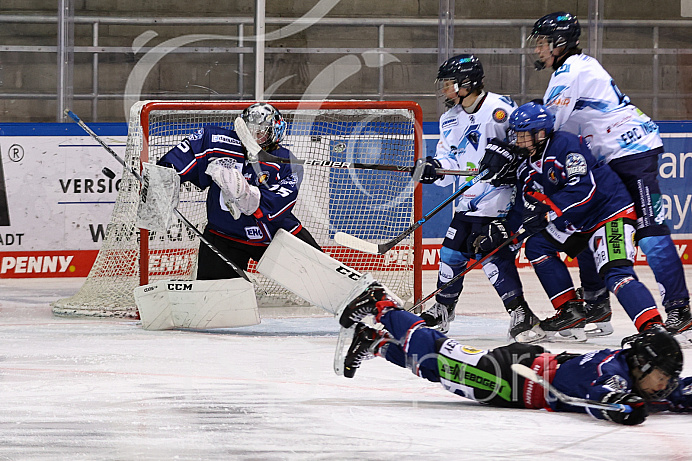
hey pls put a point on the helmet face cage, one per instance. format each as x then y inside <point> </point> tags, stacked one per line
<point>656,348</point>
<point>462,71</point>
<point>533,118</point>
<point>560,29</point>
<point>266,124</point>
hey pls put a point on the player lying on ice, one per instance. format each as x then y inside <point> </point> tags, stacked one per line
<point>644,375</point>
<point>572,204</point>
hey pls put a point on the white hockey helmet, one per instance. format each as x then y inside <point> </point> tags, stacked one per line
<point>265,123</point>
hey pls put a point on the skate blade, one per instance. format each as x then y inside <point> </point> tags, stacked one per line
<point>684,339</point>
<point>343,342</point>
<point>533,335</point>
<point>598,329</point>
<point>569,335</point>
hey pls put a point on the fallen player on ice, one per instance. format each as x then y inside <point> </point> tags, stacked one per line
<point>642,377</point>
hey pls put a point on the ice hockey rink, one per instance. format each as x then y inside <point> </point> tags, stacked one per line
<point>95,389</point>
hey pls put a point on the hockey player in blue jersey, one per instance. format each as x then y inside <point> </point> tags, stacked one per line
<point>644,375</point>
<point>473,117</point>
<point>246,203</point>
<point>572,204</point>
<point>587,102</point>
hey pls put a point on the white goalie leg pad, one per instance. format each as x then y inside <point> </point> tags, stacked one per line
<point>311,274</point>
<point>238,194</point>
<point>197,304</point>
<point>159,196</point>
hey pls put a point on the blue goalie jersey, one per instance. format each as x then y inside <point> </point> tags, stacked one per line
<point>278,185</point>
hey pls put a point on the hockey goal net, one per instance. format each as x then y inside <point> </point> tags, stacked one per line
<point>371,204</point>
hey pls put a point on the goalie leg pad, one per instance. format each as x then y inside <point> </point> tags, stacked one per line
<point>159,197</point>
<point>311,274</point>
<point>197,304</point>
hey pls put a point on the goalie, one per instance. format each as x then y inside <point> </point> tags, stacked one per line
<point>644,375</point>
<point>246,203</point>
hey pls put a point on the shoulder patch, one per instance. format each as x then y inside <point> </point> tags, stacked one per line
<point>500,115</point>
<point>616,383</point>
<point>575,165</point>
<point>197,134</point>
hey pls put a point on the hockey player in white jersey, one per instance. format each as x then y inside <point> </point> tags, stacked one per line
<point>587,102</point>
<point>473,118</point>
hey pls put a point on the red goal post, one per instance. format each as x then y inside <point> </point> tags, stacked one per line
<point>371,204</point>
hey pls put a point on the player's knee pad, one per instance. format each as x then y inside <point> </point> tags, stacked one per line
<point>538,248</point>
<point>618,277</point>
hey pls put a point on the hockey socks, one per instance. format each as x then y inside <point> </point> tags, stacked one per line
<point>634,296</point>
<point>664,261</point>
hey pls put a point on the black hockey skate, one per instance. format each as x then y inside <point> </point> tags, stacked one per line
<point>366,304</point>
<point>524,326</point>
<point>568,323</point>
<point>439,316</point>
<point>598,315</point>
<point>679,323</point>
<point>366,343</point>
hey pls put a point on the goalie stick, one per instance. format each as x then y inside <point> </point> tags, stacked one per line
<point>136,174</point>
<point>257,154</point>
<point>356,243</point>
<point>528,373</point>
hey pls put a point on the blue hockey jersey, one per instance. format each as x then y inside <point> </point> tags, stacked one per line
<point>593,375</point>
<point>581,193</point>
<point>278,185</point>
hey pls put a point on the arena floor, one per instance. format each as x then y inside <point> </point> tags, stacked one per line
<point>74,388</point>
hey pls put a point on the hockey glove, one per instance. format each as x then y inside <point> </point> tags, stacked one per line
<point>493,234</point>
<point>429,174</point>
<point>535,214</point>
<point>501,161</point>
<point>636,416</point>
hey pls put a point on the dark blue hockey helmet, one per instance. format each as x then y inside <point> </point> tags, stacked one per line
<point>265,122</point>
<point>463,71</point>
<point>655,348</point>
<point>531,117</point>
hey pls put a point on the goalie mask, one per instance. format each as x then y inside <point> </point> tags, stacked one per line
<point>462,71</point>
<point>530,118</point>
<point>553,31</point>
<point>265,123</point>
<point>655,349</point>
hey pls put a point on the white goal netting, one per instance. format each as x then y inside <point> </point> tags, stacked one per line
<point>371,204</point>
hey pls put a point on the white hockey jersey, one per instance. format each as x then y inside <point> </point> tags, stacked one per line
<point>586,102</point>
<point>463,138</point>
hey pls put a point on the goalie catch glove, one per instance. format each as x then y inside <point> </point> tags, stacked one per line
<point>238,195</point>
<point>636,416</point>
<point>501,161</point>
<point>493,234</point>
<point>535,217</point>
<point>429,175</point>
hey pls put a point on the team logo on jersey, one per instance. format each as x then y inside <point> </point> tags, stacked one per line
<point>575,164</point>
<point>616,383</point>
<point>499,115</point>
<point>552,176</point>
<point>197,135</point>
<point>471,350</point>
<point>262,178</point>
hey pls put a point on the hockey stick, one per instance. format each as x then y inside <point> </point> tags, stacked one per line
<point>257,154</point>
<point>136,174</point>
<point>528,373</point>
<point>356,243</point>
<point>519,236</point>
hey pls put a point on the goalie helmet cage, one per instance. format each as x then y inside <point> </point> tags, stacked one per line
<point>374,205</point>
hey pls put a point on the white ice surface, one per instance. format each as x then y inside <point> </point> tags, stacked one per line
<point>94,389</point>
